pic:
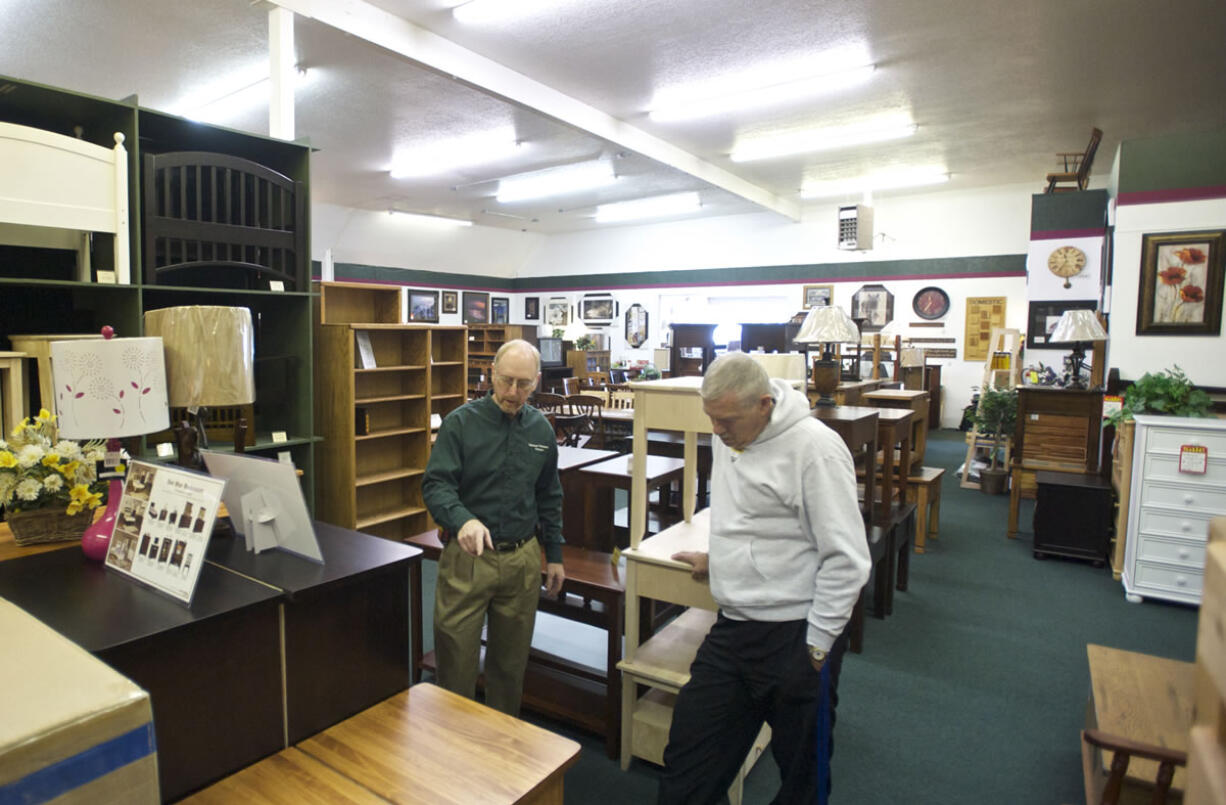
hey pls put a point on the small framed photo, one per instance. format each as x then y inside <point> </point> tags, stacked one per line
<point>597,308</point>
<point>423,305</point>
<point>476,308</point>
<point>1043,317</point>
<point>875,305</point>
<point>818,296</point>
<point>451,302</point>
<point>557,311</point>
<point>532,308</point>
<point>1181,283</point>
<point>500,310</point>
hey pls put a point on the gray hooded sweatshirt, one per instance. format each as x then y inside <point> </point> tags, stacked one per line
<point>787,538</point>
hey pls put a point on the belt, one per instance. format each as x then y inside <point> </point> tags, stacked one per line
<point>506,546</point>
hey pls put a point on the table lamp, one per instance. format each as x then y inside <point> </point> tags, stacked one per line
<point>1077,327</point>
<point>210,356</point>
<point>109,388</point>
<point>827,326</point>
<point>575,330</point>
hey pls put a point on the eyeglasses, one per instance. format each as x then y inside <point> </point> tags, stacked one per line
<point>508,382</point>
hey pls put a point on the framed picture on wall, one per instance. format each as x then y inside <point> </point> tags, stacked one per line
<point>818,296</point>
<point>500,310</point>
<point>423,305</point>
<point>636,325</point>
<point>451,302</point>
<point>875,305</point>
<point>532,308</point>
<point>1043,317</point>
<point>557,311</point>
<point>476,308</point>
<point>597,308</point>
<point>1181,283</point>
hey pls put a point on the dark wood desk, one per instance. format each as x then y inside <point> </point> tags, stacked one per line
<point>594,593</point>
<point>858,428</point>
<point>906,399</point>
<point>598,482</point>
<point>346,622</point>
<point>213,671</point>
<point>570,460</point>
<point>893,432</point>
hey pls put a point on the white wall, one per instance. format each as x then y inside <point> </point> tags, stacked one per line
<point>1199,356</point>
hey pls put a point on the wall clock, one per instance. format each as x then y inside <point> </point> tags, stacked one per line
<point>1066,262</point>
<point>930,303</point>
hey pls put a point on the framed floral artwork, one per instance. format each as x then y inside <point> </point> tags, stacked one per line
<point>1181,283</point>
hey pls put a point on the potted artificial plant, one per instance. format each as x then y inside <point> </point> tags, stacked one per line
<point>996,417</point>
<point>1167,392</point>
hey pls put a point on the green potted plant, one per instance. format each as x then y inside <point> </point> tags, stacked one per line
<point>1167,392</point>
<point>649,372</point>
<point>996,417</point>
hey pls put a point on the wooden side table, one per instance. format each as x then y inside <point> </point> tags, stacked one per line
<point>12,390</point>
<point>906,399</point>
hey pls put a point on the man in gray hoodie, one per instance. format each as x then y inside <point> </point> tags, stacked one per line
<point>788,558</point>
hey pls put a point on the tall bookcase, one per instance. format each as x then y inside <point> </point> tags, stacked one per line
<point>483,342</point>
<point>375,419</point>
<point>39,292</point>
<point>587,362</point>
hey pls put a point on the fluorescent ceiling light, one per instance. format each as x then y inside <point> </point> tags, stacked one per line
<point>433,220</point>
<point>884,180</point>
<point>477,12</point>
<point>655,207</point>
<point>233,94</point>
<point>826,139</point>
<point>556,181</point>
<point>431,159</point>
<point>765,84</point>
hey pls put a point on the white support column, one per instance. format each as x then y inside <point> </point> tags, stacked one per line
<point>282,71</point>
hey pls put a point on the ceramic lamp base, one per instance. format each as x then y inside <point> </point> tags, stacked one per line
<point>97,538</point>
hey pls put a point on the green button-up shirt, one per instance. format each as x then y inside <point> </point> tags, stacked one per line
<point>501,470</point>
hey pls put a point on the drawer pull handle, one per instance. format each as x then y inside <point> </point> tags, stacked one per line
<point>1185,526</point>
<point>1188,499</point>
<point>1183,553</point>
<point>1182,581</point>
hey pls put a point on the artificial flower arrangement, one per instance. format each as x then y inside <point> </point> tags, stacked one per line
<point>40,471</point>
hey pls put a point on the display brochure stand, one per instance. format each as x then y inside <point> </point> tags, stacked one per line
<point>265,503</point>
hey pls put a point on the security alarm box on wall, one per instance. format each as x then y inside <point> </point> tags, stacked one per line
<point>856,227</point>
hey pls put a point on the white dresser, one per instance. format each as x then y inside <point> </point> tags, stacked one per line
<point>1169,510</point>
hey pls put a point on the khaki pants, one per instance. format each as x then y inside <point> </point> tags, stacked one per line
<point>504,586</point>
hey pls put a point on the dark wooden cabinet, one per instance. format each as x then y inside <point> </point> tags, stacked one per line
<point>1072,515</point>
<point>693,349</point>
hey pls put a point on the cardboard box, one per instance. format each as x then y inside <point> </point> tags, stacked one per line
<point>73,729</point>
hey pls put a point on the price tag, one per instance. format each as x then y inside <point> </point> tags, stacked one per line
<point>276,285</point>
<point>284,457</point>
<point>1194,458</point>
<point>166,450</point>
<point>279,437</point>
<point>1111,404</point>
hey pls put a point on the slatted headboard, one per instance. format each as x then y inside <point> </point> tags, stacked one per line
<point>219,218</point>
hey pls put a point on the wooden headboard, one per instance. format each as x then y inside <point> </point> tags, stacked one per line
<point>52,181</point>
<point>219,219</point>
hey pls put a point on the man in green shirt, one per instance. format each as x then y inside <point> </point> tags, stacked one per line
<point>492,482</point>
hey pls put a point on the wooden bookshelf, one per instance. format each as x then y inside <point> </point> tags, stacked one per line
<point>587,362</point>
<point>483,343</point>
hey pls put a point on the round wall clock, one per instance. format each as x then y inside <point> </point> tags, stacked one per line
<point>1066,262</point>
<point>930,303</point>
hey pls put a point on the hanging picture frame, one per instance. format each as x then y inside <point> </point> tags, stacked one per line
<point>818,296</point>
<point>451,302</point>
<point>597,308</point>
<point>1043,317</point>
<point>500,310</point>
<point>423,305</point>
<point>476,308</point>
<point>1181,283</point>
<point>875,305</point>
<point>532,308</point>
<point>557,311</point>
<point>636,325</point>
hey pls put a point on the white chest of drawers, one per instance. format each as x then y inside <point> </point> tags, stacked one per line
<point>1169,510</point>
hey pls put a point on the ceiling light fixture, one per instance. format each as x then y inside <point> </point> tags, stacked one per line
<point>762,97</point>
<point>431,159</point>
<point>654,207</point>
<point>433,220</point>
<point>826,139</point>
<point>883,180</point>
<point>233,94</point>
<point>477,12</point>
<point>555,181</point>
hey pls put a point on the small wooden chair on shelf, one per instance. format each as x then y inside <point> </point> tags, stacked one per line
<point>1076,167</point>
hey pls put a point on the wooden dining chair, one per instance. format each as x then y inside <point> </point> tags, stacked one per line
<point>570,385</point>
<point>592,407</point>
<point>1113,790</point>
<point>622,400</point>
<point>596,380</point>
<point>550,403</point>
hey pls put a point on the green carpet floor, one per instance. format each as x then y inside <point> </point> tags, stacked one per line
<point>973,691</point>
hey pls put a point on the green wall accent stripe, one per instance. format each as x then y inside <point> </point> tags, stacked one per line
<point>999,265</point>
<point>1063,212</point>
<point>1173,162</point>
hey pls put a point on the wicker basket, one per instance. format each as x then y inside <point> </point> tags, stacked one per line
<point>47,525</point>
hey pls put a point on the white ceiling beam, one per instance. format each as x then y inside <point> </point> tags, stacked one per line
<point>382,28</point>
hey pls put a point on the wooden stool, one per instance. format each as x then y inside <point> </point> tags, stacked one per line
<point>924,490</point>
<point>12,390</point>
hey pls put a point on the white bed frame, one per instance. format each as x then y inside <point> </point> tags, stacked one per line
<point>55,190</point>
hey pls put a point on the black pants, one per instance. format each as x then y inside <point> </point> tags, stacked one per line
<point>745,673</point>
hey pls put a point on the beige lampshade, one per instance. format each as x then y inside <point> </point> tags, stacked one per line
<point>575,330</point>
<point>1077,325</point>
<point>827,324</point>
<point>210,354</point>
<point>109,388</point>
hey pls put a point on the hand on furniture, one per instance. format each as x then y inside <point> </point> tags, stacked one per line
<point>474,537</point>
<point>697,559</point>
<point>554,576</point>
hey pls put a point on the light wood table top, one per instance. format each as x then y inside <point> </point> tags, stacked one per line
<point>1143,698</point>
<point>289,777</point>
<point>432,747</point>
